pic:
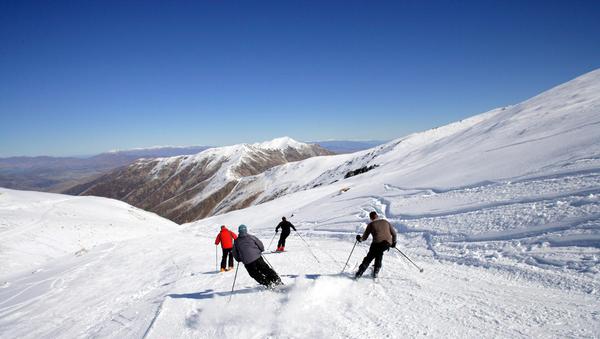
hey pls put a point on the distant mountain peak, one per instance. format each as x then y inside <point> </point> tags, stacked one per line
<point>281,143</point>
<point>238,152</point>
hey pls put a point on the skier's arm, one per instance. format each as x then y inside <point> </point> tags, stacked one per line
<point>277,228</point>
<point>218,240</point>
<point>365,235</point>
<point>233,235</point>
<point>259,244</point>
<point>292,225</point>
<point>235,253</point>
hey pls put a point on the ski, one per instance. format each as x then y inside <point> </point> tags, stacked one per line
<point>375,280</point>
<point>369,276</point>
<point>278,289</point>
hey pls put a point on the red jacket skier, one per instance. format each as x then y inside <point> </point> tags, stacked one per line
<point>226,238</point>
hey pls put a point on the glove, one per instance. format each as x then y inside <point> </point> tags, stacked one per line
<point>358,238</point>
<point>393,244</point>
<point>276,231</point>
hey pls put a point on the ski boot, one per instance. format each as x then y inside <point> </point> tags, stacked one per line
<point>360,272</point>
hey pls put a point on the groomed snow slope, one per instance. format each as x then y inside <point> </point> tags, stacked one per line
<point>513,259</point>
<point>36,228</point>
<point>508,250</point>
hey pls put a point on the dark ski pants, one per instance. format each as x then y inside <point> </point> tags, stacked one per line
<point>227,253</point>
<point>262,273</point>
<point>282,238</point>
<point>375,252</point>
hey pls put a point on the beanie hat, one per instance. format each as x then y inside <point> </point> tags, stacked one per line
<point>242,229</point>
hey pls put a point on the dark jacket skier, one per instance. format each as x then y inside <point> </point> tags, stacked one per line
<point>285,232</point>
<point>384,237</point>
<point>248,249</point>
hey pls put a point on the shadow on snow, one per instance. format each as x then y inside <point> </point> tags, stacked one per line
<point>210,293</point>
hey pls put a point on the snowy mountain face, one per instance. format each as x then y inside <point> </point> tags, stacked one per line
<point>502,210</point>
<point>186,188</point>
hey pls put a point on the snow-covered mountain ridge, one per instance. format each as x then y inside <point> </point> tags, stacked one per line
<point>186,188</point>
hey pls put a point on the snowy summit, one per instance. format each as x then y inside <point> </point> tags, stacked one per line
<point>281,144</point>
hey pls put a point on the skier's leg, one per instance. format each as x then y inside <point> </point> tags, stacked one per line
<point>270,276</point>
<point>379,257</point>
<point>230,253</point>
<point>366,261</point>
<point>281,240</point>
<point>224,259</point>
<point>283,237</point>
<point>253,271</point>
<point>262,272</point>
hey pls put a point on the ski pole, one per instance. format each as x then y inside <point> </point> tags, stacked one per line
<point>271,241</point>
<point>346,264</point>
<point>216,257</point>
<point>234,278</point>
<point>267,261</point>
<point>420,269</point>
<point>307,245</point>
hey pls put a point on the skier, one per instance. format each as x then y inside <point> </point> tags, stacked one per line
<point>285,232</point>
<point>384,237</point>
<point>226,238</point>
<point>248,249</point>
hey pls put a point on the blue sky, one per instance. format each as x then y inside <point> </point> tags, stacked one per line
<point>81,77</point>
